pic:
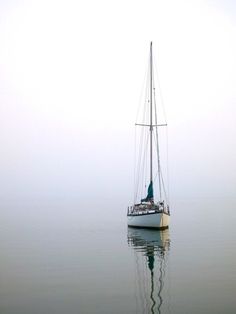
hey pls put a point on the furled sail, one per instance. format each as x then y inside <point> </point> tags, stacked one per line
<point>150,193</point>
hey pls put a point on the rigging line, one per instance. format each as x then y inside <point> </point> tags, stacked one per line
<point>135,161</point>
<point>145,119</point>
<point>144,116</point>
<point>142,165</point>
<point>145,162</point>
<point>144,112</point>
<point>143,91</point>
<point>163,184</point>
<point>142,132</point>
<point>167,154</point>
<point>142,148</point>
<point>167,168</point>
<point>156,171</point>
<point>165,117</point>
<point>137,170</point>
<point>141,144</point>
<point>158,153</point>
<point>166,196</point>
<point>160,92</point>
<point>144,172</point>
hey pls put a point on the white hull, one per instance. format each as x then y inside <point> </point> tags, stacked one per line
<point>149,220</point>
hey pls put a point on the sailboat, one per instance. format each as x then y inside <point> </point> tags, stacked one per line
<point>148,213</point>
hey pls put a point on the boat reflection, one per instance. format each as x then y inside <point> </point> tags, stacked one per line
<point>151,250</point>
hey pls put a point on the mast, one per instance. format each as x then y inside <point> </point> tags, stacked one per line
<point>151,125</point>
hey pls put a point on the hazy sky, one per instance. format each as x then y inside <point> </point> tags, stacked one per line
<point>71,74</point>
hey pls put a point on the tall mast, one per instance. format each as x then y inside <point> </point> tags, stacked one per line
<point>151,125</point>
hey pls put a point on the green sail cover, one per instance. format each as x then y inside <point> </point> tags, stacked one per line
<point>150,193</point>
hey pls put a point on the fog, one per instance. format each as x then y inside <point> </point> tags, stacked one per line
<point>71,74</point>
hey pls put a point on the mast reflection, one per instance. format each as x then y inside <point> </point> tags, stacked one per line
<point>151,250</point>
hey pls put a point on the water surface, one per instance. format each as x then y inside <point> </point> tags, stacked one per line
<point>63,257</point>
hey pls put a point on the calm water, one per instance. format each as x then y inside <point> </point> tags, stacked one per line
<point>64,257</point>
